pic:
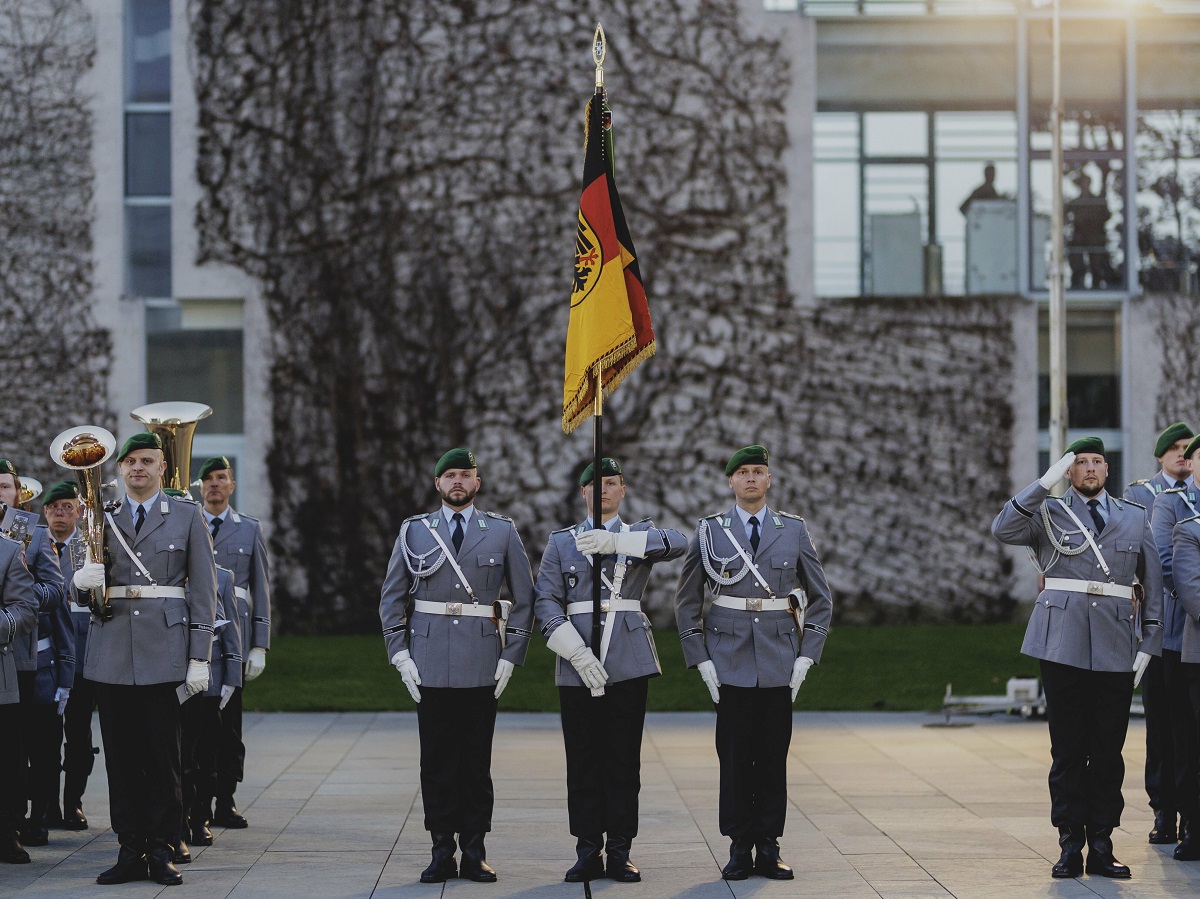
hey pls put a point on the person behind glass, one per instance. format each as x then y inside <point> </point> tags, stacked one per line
<point>603,700</point>
<point>45,660</point>
<point>443,623</point>
<point>985,191</point>
<point>1087,244</point>
<point>60,505</point>
<point>760,569</point>
<point>18,617</point>
<point>1093,640</point>
<point>238,545</point>
<point>1164,692</point>
<point>147,648</point>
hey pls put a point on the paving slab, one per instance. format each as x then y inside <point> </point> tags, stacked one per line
<point>880,805</point>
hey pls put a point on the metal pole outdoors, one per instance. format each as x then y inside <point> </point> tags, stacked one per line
<point>1058,305</point>
<point>597,512</point>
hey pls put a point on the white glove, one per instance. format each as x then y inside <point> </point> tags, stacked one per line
<point>1140,661</point>
<point>708,671</point>
<point>408,673</point>
<point>566,642</point>
<point>256,662</point>
<point>226,695</point>
<point>197,677</point>
<point>61,695</point>
<point>504,670</point>
<point>601,542</point>
<point>90,576</point>
<point>799,670</point>
<point>1057,471</point>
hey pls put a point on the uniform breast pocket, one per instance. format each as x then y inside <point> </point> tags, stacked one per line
<point>170,557</point>
<point>237,559</point>
<point>721,640</point>
<point>491,565</point>
<point>783,575</point>
<point>418,638</point>
<point>1127,556</point>
<point>641,639</point>
<point>1051,613</point>
<point>175,616</point>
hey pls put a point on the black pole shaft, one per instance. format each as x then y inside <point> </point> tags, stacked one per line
<point>597,515</point>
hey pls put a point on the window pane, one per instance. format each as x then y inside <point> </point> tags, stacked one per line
<point>148,51</point>
<point>148,249</point>
<point>198,366</point>
<point>148,154</point>
<point>895,134</point>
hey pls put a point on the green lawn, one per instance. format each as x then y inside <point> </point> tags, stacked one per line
<point>901,668</point>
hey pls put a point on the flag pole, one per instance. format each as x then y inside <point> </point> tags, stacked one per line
<point>597,510</point>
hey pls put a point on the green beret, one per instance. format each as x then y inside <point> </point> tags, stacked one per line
<point>608,468</point>
<point>216,463</point>
<point>173,491</point>
<point>748,455</point>
<point>1191,447</point>
<point>1177,431</point>
<point>6,467</point>
<point>459,457</point>
<point>59,490</point>
<point>1087,445</point>
<point>144,440</point>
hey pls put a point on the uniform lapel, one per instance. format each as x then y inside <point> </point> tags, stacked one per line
<point>476,530</point>
<point>733,522</point>
<point>154,518</point>
<point>225,530</point>
<point>768,533</point>
<point>124,520</point>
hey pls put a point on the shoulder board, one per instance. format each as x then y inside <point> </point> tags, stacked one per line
<point>416,517</point>
<point>497,515</point>
<point>1130,502</point>
<point>1174,490</point>
<point>244,517</point>
<point>184,499</point>
<point>569,527</point>
<point>113,505</point>
<point>641,521</point>
<point>1141,483</point>
<point>714,516</point>
<point>789,515</point>
<point>1193,518</point>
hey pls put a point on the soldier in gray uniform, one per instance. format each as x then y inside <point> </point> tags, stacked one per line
<point>444,624</point>
<point>753,644</point>
<point>18,617</point>
<point>238,545</point>
<point>1091,638</point>
<point>152,641</point>
<point>1164,693</point>
<point>603,701</point>
<point>1186,564</point>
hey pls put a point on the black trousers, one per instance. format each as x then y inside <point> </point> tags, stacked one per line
<point>140,729</point>
<point>231,751</point>
<point>1160,747</point>
<point>754,731</point>
<point>456,727</point>
<point>41,741</point>
<point>603,740</point>
<point>79,753</point>
<point>1189,779</point>
<point>1088,713</point>
<point>12,797</point>
<point>199,734</point>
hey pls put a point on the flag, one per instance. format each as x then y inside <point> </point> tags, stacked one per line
<point>609,329</point>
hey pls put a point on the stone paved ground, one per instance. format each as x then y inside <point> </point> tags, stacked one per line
<point>881,805</point>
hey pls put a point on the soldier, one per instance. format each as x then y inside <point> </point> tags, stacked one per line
<point>445,628</point>
<point>761,570</point>
<point>1092,640</point>
<point>238,545</point>
<point>151,643</point>
<point>602,730</point>
<point>51,647</point>
<point>1186,566</point>
<point>60,505</point>
<point>18,617</point>
<point>1164,692</point>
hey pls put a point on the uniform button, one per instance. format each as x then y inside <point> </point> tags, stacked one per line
<point>1097,565</point>
<point>139,555</point>
<point>456,621</point>
<point>136,612</point>
<point>572,567</point>
<point>491,561</point>
<point>1045,602</point>
<point>756,619</point>
<point>1093,605</point>
<point>171,546</point>
<point>456,586</point>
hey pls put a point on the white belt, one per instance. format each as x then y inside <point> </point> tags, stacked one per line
<point>471,609</point>
<point>242,593</point>
<point>606,605</point>
<point>145,592</point>
<point>1095,588</point>
<point>44,644</point>
<point>753,605</point>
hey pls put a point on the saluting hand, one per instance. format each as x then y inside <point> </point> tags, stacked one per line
<point>1057,471</point>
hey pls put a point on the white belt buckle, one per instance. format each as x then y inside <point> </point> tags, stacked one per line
<point>754,605</point>
<point>133,592</point>
<point>454,608</point>
<point>1095,588</point>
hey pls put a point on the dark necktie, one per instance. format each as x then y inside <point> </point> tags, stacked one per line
<point>1094,508</point>
<point>58,547</point>
<point>1179,485</point>
<point>141,519</point>
<point>754,533</point>
<point>457,536</point>
<point>216,526</point>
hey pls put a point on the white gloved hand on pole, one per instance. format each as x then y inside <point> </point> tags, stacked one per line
<point>708,672</point>
<point>408,673</point>
<point>90,576</point>
<point>1057,471</point>
<point>196,679</point>
<point>226,695</point>
<point>566,642</point>
<point>799,671</point>
<point>256,662</point>
<point>1140,661</point>
<point>504,670</point>
<point>61,695</point>
<point>601,542</point>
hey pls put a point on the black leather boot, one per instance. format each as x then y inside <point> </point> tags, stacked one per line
<point>589,864</point>
<point>130,866</point>
<point>741,863</point>
<point>767,861</point>
<point>618,867</point>
<point>227,815</point>
<point>181,854</point>
<point>11,850</point>
<point>34,832</point>
<point>474,864</point>
<point>1188,849</point>
<point>443,866</point>
<point>158,863</point>
<point>1164,830</point>
<point>200,834</point>
<point>1100,858</point>
<point>1070,862</point>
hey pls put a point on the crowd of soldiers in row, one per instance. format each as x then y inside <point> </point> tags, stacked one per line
<point>159,636</point>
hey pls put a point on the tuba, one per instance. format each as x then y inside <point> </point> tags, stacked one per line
<point>175,425</point>
<point>31,489</point>
<point>84,450</point>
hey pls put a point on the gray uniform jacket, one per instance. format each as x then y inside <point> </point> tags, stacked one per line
<point>1094,632</point>
<point>226,662</point>
<point>18,614</point>
<point>1171,506</point>
<point>457,650</point>
<point>240,547</point>
<point>1143,492</point>
<point>565,576</point>
<point>751,649</point>
<point>150,639</point>
<point>1186,551</point>
<point>81,617</point>
<point>47,587</point>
